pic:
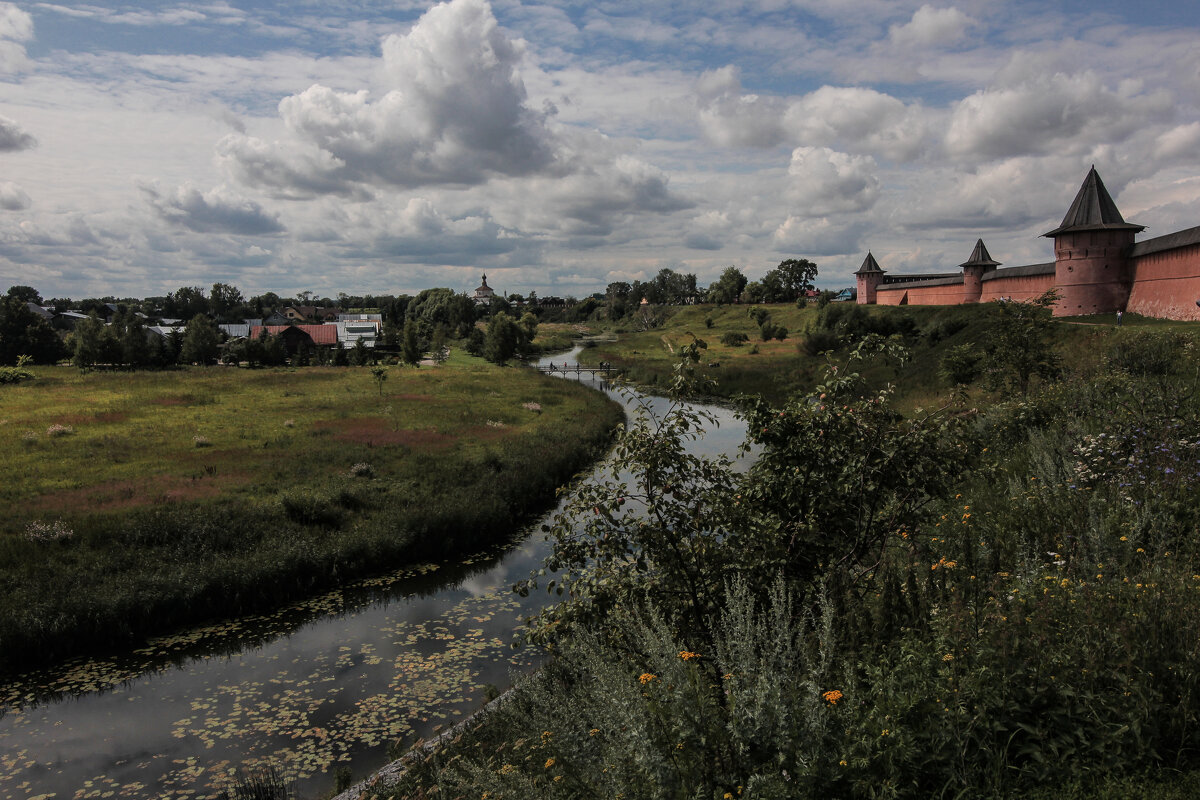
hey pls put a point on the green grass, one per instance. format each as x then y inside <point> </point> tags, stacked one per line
<point>778,369</point>
<point>206,492</point>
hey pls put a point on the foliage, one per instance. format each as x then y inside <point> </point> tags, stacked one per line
<point>504,339</point>
<point>734,338</point>
<point>997,604</point>
<point>18,373</point>
<point>659,528</point>
<point>961,364</point>
<point>201,341</point>
<point>1019,346</point>
<point>789,281</point>
<point>24,333</point>
<point>728,288</point>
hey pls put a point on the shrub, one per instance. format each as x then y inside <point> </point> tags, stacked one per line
<point>56,430</point>
<point>1144,353</point>
<point>309,508</point>
<point>770,330</point>
<point>362,470</point>
<point>820,341</point>
<point>733,338</point>
<point>201,441</point>
<point>961,364</point>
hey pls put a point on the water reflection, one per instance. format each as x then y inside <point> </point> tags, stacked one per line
<point>325,683</point>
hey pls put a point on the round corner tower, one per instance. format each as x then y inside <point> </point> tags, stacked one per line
<point>868,277</point>
<point>974,268</point>
<point>1093,272</point>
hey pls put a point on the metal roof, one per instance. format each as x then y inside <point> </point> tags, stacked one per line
<point>1093,210</point>
<point>980,257</point>
<point>1170,241</point>
<point>869,265</point>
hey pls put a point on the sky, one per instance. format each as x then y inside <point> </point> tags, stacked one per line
<point>388,146</point>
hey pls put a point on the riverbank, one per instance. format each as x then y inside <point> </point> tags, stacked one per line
<point>995,601</point>
<point>141,502</point>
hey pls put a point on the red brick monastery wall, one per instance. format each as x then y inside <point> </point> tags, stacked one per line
<point>1167,284</point>
<point>903,295</point>
<point>1018,287</point>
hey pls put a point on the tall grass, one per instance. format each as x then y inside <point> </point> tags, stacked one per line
<point>270,512</point>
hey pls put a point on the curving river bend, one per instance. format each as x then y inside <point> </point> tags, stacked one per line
<point>323,684</point>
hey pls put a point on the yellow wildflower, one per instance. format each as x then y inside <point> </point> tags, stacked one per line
<point>687,655</point>
<point>646,677</point>
<point>833,696</point>
<point>948,657</point>
<point>549,763</point>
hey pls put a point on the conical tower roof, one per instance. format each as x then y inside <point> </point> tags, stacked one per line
<point>980,257</point>
<point>869,265</point>
<point>1093,210</point>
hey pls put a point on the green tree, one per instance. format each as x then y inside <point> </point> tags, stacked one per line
<point>794,277</point>
<point>201,341</point>
<point>226,301</point>
<point>26,294</point>
<point>25,333</point>
<point>728,288</point>
<point>503,339</point>
<point>135,344</point>
<point>410,347</point>
<point>1019,347</point>
<point>529,325</point>
<point>88,345</point>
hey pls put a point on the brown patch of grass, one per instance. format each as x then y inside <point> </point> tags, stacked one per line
<point>415,398</point>
<point>377,430</point>
<point>127,494</point>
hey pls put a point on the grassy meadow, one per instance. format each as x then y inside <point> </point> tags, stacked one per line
<point>140,501</point>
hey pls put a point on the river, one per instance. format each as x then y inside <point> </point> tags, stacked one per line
<point>324,684</point>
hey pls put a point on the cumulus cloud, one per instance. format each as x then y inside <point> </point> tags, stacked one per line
<point>456,114</point>
<point>214,211</point>
<point>1181,142</point>
<point>824,182</point>
<point>853,119</point>
<point>859,121</point>
<point>1043,112</point>
<point>732,119</point>
<point>13,197</point>
<point>16,26</point>
<point>931,27</point>
<point>12,138</point>
<point>818,237</point>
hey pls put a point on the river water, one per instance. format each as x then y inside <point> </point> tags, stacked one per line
<point>324,684</point>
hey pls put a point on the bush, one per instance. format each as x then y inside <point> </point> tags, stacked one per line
<point>1144,353</point>
<point>734,338</point>
<point>820,341</point>
<point>961,364</point>
<point>771,330</point>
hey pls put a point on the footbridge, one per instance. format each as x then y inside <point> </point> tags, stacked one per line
<point>603,368</point>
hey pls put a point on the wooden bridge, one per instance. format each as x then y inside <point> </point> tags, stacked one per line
<point>604,368</point>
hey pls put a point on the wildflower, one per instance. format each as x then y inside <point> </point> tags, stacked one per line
<point>546,736</point>
<point>549,763</point>
<point>833,696</point>
<point>557,778</point>
<point>646,677</point>
<point>593,731</point>
<point>842,762</point>
<point>688,656</point>
<point>948,657</point>
<point>885,732</point>
<point>507,769</point>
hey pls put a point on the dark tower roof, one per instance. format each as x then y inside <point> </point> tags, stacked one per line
<point>869,265</point>
<point>1093,210</point>
<point>980,257</point>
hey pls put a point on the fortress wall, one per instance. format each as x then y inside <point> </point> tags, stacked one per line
<point>1166,284</point>
<point>1017,287</point>
<point>899,293</point>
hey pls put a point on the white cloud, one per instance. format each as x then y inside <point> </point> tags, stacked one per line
<point>732,119</point>
<point>1181,142</point>
<point>1044,113</point>
<point>13,197</point>
<point>825,182</point>
<point>455,114</point>
<point>215,211</point>
<point>16,26</point>
<point>931,27</point>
